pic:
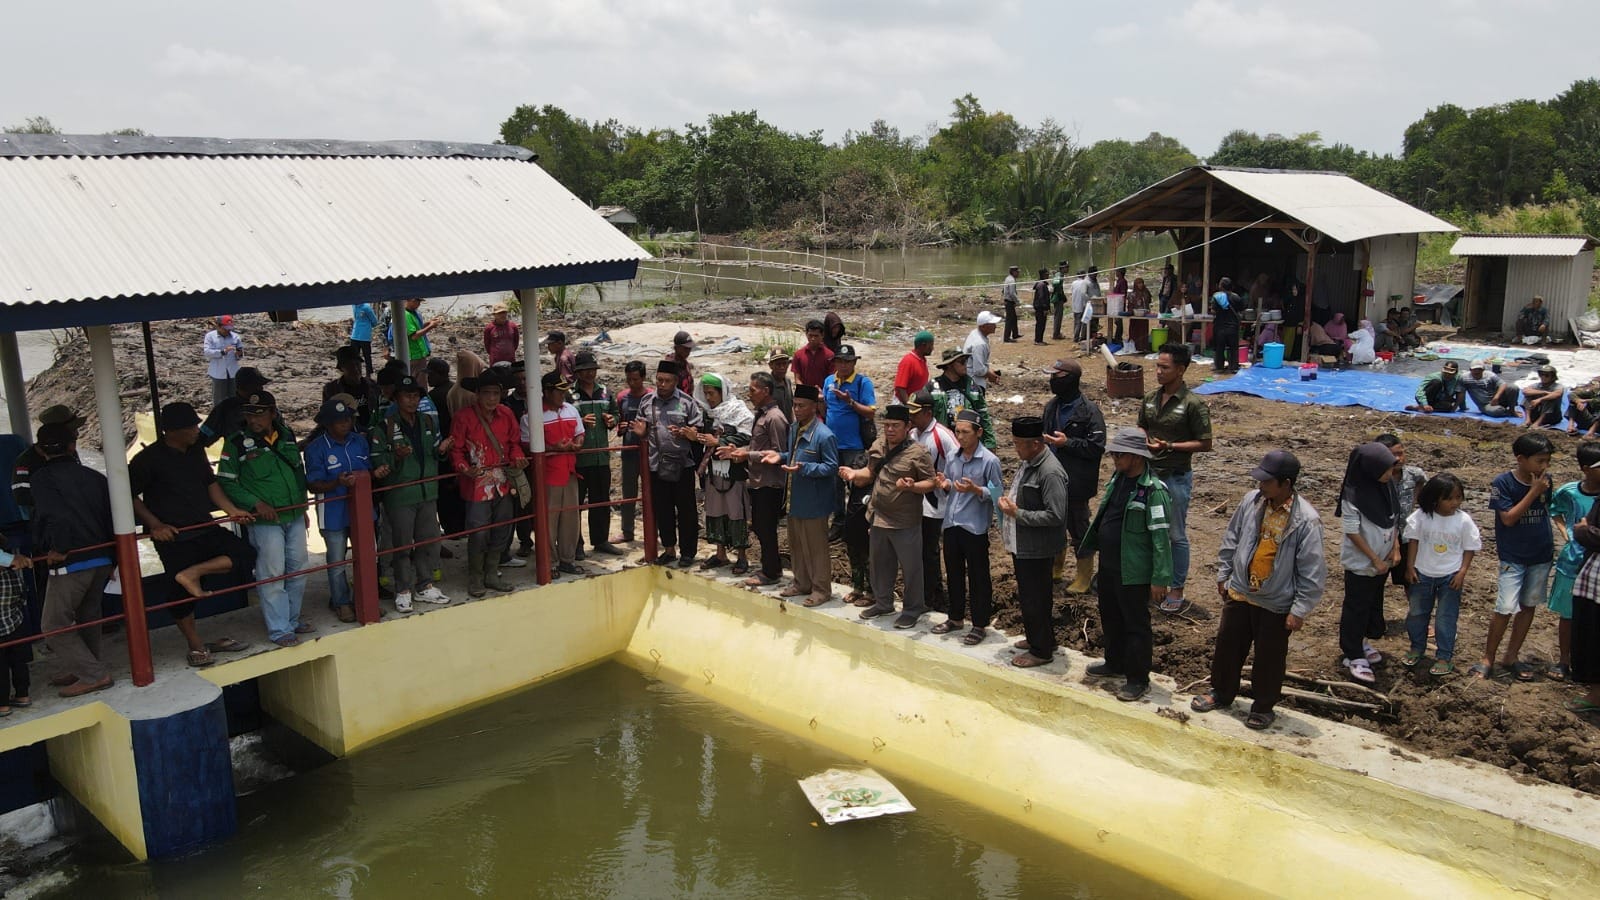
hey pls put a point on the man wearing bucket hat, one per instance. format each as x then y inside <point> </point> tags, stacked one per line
<point>408,449</point>
<point>1033,526</point>
<point>912,374</point>
<point>1075,430</point>
<point>1442,391</point>
<point>899,472</point>
<point>563,438</point>
<point>222,348</point>
<point>977,348</point>
<point>953,391</point>
<point>30,459</point>
<point>1541,402</point>
<point>1132,534</point>
<point>261,471</point>
<point>597,409</point>
<point>332,461</point>
<point>1271,569</point>
<point>487,448</point>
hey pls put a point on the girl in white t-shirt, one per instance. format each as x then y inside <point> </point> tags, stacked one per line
<point>1440,543</point>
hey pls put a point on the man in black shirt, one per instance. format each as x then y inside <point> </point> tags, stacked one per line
<point>351,381</point>
<point>174,487</point>
<point>227,417</point>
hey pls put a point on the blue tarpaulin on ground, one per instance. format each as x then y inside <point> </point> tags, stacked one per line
<point>1348,387</point>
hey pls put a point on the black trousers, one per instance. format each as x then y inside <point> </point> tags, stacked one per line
<point>1057,310</point>
<point>14,680</point>
<point>594,486</point>
<point>1125,621</point>
<point>1244,624</point>
<point>1077,520</point>
<point>1435,394</point>
<point>630,488</point>
<point>1361,616</point>
<point>677,520</point>
<point>1036,604</point>
<point>366,353</point>
<point>1012,331</point>
<point>1080,325</point>
<point>932,577</point>
<point>966,559</point>
<point>1225,347</point>
<point>1041,318</point>
<point>766,509</point>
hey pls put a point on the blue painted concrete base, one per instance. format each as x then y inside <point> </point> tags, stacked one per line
<point>185,780</point>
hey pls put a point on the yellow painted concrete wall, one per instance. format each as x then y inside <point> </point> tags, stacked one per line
<point>1196,811</point>
<point>95,764</point>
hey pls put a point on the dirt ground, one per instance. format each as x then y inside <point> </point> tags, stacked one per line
<point>1522,728</point>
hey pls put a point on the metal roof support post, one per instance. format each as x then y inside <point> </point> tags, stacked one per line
<point>1311,287</point>
<point>532,368</point>
<point>15,388</point>
<point>108,403</point>
<point>398,324</point>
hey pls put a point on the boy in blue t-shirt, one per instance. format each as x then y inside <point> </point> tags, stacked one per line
<point>1525,544</point>
<point>1569,505</point>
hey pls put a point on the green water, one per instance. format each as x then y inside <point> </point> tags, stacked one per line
<point>604,784</point>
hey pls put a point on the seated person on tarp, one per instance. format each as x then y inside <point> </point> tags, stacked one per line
<point>1441,392</point>
<point>1489,394</point>
<point>1541,403</point>
<point>1323,344</point>
<point>1401,326</point>
<point>1583,410</point>
<point>1363,345</point>
<point>1534,320</point>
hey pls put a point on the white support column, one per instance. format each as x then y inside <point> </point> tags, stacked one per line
<point>108,402</point>
<point>402,342</point>
<point>533,368</point>
<point>16,389</point>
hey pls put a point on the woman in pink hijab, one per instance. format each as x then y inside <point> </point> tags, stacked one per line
<point>1339,331</point>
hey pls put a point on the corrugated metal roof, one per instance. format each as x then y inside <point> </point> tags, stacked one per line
<point>82,228</point>
<point>1334,204</point>
<point>1522,244</point>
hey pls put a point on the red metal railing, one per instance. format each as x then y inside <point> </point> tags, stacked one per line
<point>363,559</point>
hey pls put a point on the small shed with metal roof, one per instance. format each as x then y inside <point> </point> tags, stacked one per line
<point>1320,238</point>
<point>1506,271</point>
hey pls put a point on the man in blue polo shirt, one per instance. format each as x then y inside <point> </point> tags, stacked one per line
<point>852,419</point>
<point>332,461</point>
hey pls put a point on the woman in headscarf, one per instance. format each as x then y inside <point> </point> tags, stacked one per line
<point>832,331</point>
<point>1371,548</point>
<point>468,365</point>
<point>1363,345</point>
<point>727,505</point>
<point>1339,331</point>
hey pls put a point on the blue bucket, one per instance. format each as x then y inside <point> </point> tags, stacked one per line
<point>1272,355</point>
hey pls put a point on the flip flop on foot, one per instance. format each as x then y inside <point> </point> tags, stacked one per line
<point>974,637</point>
<point>1260,721</point>
<point>1029,661</point>
<point>1441,668</point>
<point>1411,659</point>
<point>199,659</point>
<point>946,626</point>
<point>792,591</point>
<point>813,602</point>
<point>1022,645</point>
<point>1524,672</point>
<point>1204,703</point>
<point>1581,705</point>
<point>227,645</point>
<point>1174,605</point>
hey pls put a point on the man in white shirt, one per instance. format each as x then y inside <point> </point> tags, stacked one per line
<point>1080,302</point>
<point>977,347</point>
<point>222,348</point>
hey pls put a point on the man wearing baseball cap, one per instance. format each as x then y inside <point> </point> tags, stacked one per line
<point>261,471</point>
<point>977,348</point>
<point>1270,575</point>
<point>1541,403</point>
<point>222,348</point>
<point>332,460</point>
<point>1488,393</point>
<point>688,382</point>
<point>782,384</point>
<point>1442,391</point>
<point>30,458</point>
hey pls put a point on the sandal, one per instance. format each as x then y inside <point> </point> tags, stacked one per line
<point>1260,721</point>
<point>1524,672</point>
<point>199,659</point>
<point>227,645</point>
<point>740,569</point>
<point>1360,671</point>
<point>21,702</point>
<point>1204,703</point>
<point>712,562</point>
<point>1559,672</point>
<point>1481,671</point>
<point>1581,705</point>
<point>1442,668</point>
<point>814,602</point>
<point>757,580</point>
<point>974,637</point>
<point>1022,645</point>
<point>1411,659</point>
<point>1174,606</point>
<point>862,601</point>
<point>287,640</point>
<point>1029,661</point>
<point>946,626</point>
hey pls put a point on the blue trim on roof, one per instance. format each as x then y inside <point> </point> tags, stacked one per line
<point>114,311</point>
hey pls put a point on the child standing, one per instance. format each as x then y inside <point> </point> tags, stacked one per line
<point>1370,549</point>
<point>1520,499</point>
<point>1569,505</point>
<point>1407,484</point>
<point>14,681</point>
<point>1440,543</point>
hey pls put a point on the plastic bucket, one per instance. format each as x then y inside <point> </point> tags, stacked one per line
<point>1272,355</point>
<point>1244,354</point>
<point>1158,336</point>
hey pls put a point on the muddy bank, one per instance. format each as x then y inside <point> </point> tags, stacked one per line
<point>1520,727</point>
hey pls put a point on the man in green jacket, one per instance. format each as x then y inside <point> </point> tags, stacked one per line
<point>954,390</point>
<point>1132,531</point>
<point>261,471</point>
<point>410,446</point>
<point>1442,392</point>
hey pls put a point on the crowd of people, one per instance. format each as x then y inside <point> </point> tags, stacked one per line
<point>910,484</point>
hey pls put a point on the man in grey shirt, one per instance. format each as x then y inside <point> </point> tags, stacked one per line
<point>977,347</point>
<point>1008,294</point>
<point>1486,389</point>
<point>669,421</point>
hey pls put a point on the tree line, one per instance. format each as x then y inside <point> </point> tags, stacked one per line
<point>983,175</point>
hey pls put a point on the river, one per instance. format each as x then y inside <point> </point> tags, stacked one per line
<point>602,784</point>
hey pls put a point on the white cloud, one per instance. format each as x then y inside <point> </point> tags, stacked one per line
<point>1115,34</point>
<point>1222,23</point>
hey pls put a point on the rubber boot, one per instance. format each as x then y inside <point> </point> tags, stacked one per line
<point>491,576</point>
<point>1058,570</point>
<point>1085,576</point>
<point>475,586</point>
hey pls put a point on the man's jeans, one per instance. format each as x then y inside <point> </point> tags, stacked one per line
<point>280,548</point>
<point>1181,487</point>
<point>338,543</point>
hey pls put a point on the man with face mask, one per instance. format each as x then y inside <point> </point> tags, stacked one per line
<point>1075,430</point>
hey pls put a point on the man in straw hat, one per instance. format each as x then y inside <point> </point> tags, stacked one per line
<point>1271,570</point>
<point>811,461</point>
<point>486,448</point>
<point>1132,533</point>
<point>1033,528</point>
<point>501,336</point>
<point>899,472</point>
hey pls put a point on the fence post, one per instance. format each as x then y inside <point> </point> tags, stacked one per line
<point>646,507</point>
<point>541,522</point>
<point>363,551</point>
<point>140,665</point>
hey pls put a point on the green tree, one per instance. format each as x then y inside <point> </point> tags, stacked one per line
<point>1578,136</point>
<point>965,162</point>
<point>573,151</point>
<point>1120,168</point>
<point>1047,189</point>
<point>33,125</point>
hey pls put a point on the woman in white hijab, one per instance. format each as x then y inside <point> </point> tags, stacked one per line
<point>727,505</point>
<point>1363,349</point>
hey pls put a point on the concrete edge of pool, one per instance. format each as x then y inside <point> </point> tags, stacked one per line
<point>1202,806</point>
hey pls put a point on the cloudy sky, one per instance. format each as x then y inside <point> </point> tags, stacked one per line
<point>1357,71</point>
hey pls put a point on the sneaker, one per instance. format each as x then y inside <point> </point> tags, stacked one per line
<point>432,594</point>
<point>1373,654</point>
<point>402,601</point>
<point>666,559</point>
<point>904,622</point>
<point>569,569</point>
<point>1101,670</point>
<point>1130,692</point>
<point>515,562</point>
<point>685,562</point>
<point>607,549</point>
<point>580,554</point>
<point>525,550</point>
